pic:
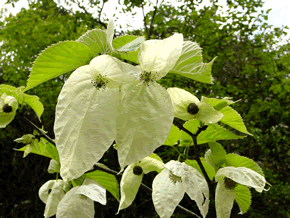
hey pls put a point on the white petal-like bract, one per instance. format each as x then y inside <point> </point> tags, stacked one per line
<point>85,123</point>
<point>144,122</point>
<point>160,56</point>
<point>129,184</point>
<point>243,176</point>
<point>166,193</point>
<point>74,205</point>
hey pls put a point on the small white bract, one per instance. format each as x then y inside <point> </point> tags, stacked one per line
<point>8,107</point>
<point>183,100</point>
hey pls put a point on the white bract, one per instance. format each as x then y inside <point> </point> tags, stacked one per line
<point>170,185</point>
<point>146,114</point>
<point>131,181</point>
<point>79,201</point>
<point>52,198</point>
<point>86,111</point>
<point>181,100</point>
<point>8,107</point>
<point>225,193</point>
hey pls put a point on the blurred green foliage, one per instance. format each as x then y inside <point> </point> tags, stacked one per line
<point>251,66</point>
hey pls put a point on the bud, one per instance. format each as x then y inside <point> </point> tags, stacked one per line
<point>192,109</point>
<point>229,183</point>
<point>7,108</point>
<point>137,170</point>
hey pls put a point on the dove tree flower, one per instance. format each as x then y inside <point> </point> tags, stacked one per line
<point>228,178</point>
<point>132,178</point>
<point>187,107</point>
<point>77,202</point>
<point>85,122</point>
<point>8,107</point>
<point>146,114</point>
<point>170,185</point>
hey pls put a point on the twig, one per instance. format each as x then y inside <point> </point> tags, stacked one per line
<point>196,151</point>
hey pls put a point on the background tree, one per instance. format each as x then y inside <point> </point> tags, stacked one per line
<point>250,66</point>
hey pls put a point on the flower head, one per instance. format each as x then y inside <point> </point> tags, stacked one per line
<point>187,106</point>
<point>228,178</point>
<point>8,107</point>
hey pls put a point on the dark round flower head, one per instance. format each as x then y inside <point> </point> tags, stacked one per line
<point>192,109</point>
<point>137,170</point>
<point>7,108</point>
<point>229,184</point>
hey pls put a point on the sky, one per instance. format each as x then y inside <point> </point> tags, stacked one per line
<point>278,16</point>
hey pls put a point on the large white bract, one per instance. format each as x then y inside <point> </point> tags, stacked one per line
<point>86,111</point>
<point>170,185</point>
<point>224,197</point>
<point>146,114</point>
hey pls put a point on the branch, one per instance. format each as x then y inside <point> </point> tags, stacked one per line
<point>40,131</point>
<point>153,16</point>
<point>145,24</point>
<point>88,13</point>
<point>196,151</point>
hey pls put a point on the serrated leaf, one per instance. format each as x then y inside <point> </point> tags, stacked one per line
<point>58,59</point>
<point>218,104</point>
<point>233,119</point>
<point>243,198</point>
<point>34,103</point>
<point>108,181</point>
<point>173,137</point>
<point>215,132</point>
<point>50,150</point>
<point>190,64</point>
<point>96,40</point>
<point>218,153</point>
<point>208,168</point>
<point>236,160</point>
<point>133,45</point>
<point>123,41</point>
<point>192,126</point>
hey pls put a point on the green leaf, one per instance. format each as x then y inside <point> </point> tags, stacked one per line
<point>190,64</point>
<point>34,103</point>
<point>243,197</point>
<point>218,153</point>
<point>233,119</point>
<point>218,104</point>
<point>236,160</point>
<point>173,137</point>
<point>96,40</point>
<point>155,156</point>
<point>208,168</point>
<point>133,45</point>
<point>48,149</point>
<point>108,181</point>
<point>213,132</point>
<point>58,59</point>
<point>124,43</point>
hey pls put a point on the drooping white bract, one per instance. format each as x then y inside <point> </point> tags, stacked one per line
<point>170,185</point>
<point>8,107</point>
<point>224,196</point>
<point>79,201</point>
<point>181,100</point>
<point>130,182</point>
<point>51,199</point>
<point>85,121</point>
<point>146,115</point>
